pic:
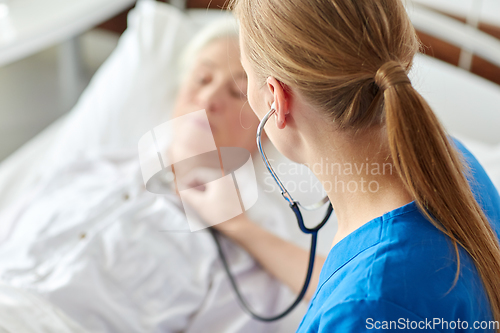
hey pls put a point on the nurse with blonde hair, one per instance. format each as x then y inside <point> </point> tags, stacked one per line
<point>420,252</point>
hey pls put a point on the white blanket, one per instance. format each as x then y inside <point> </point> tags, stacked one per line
<point>23,312</point>
<point>115,258</point>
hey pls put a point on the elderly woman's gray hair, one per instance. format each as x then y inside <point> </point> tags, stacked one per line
<point>226,27</point>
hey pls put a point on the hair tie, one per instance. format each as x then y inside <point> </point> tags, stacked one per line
<point>390,74</point>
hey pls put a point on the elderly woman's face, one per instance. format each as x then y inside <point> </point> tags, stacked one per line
<point>218,84</point>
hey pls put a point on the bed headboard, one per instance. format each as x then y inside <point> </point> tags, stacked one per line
<point>466,42</point>
<point>216,4</point>
<point>118,23</point>
<point>433,46</point>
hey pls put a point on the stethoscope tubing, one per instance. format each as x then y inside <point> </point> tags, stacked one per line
<point>294,206</point>
<point>312,254</point>
<point>288,197</point>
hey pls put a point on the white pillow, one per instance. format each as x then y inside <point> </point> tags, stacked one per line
<point>466,103</point>
<point>135,88</point>
<point>133,91</point>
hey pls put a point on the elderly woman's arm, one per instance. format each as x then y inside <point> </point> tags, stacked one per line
<point>283,259</point>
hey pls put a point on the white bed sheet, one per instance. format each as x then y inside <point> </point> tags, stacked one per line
<point>23,312</point>
<point>116,258</point>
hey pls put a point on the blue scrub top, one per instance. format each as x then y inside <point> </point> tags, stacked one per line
<point>394,274</point>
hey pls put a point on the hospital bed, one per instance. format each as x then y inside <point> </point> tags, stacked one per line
<point>134,90</point>
<point>453,32</point>
<point>486,11</point>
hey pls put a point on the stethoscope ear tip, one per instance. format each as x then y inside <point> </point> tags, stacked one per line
<point>273,106</point>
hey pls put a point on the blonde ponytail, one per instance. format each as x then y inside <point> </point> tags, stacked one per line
<point>434,174</point>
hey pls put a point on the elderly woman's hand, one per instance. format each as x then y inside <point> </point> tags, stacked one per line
<point>214,198</point>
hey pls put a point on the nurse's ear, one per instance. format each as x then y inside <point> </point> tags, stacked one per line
<point>281,97</point>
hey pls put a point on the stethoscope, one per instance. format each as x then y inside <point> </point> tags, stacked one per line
<point>294,206</point>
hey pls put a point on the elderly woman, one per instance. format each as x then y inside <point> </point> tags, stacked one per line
<point>116,258</point>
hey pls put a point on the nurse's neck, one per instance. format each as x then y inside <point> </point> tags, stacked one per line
<point>355,167</point>
<point>358,174</point>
